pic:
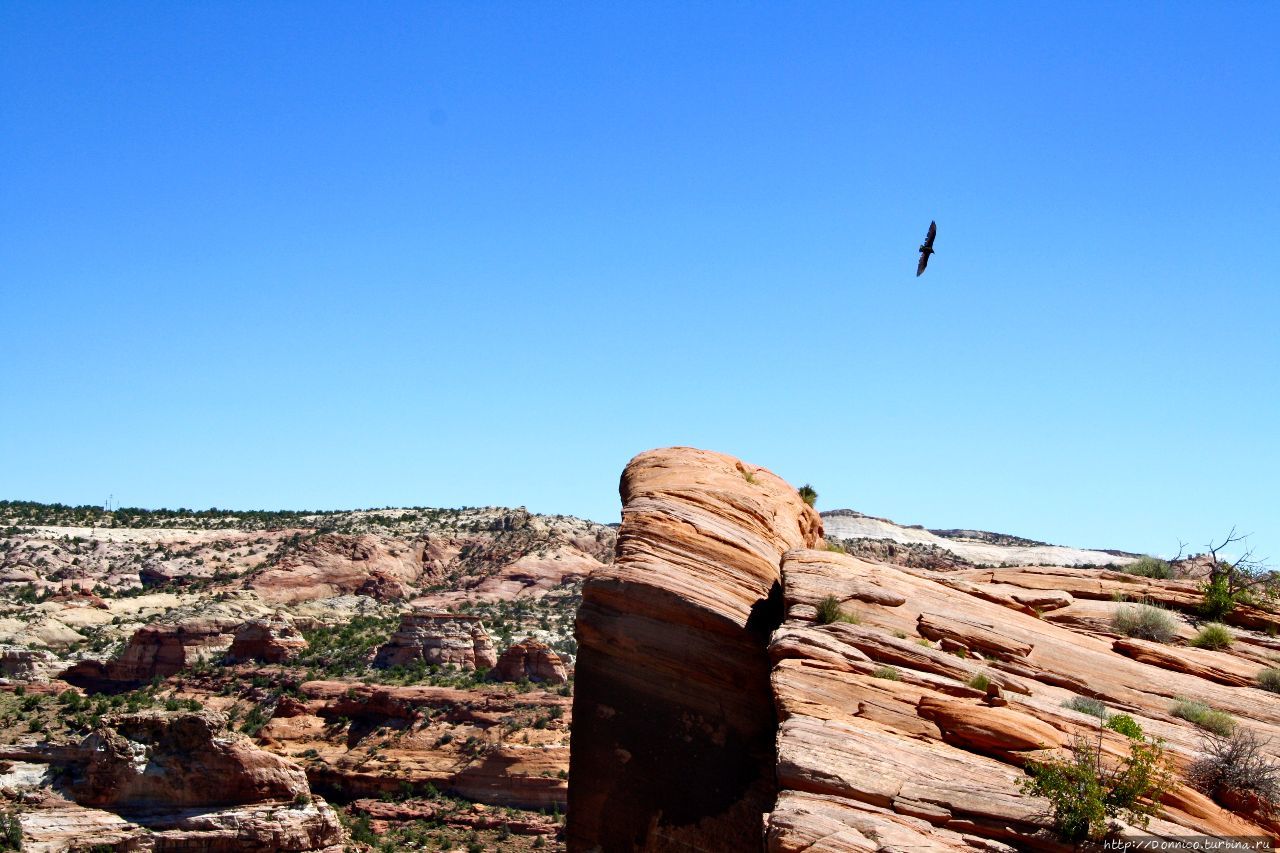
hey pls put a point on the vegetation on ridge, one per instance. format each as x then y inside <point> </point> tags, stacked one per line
<point>1089,790</point>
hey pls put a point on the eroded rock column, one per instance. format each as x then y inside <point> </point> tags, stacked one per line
<point>674,724</point>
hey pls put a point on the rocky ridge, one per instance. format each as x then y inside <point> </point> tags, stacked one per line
<point>906,720</point>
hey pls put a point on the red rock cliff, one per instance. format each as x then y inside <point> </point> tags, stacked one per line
<point>674,724</point>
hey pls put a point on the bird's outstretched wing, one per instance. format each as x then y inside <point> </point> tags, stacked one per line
<point>926,249</point>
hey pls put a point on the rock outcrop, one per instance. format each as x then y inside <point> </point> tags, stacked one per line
<point>493,745</point>
<point>673,737</point>
<point>886,738</point>
<point>176,759</point>
<point>26,664</point>
<point>178,780</point>
<point>439,639</point>
<point>273,640</point>
<point>156,650</point>
<point>530,660</point>
<point>903,714</point>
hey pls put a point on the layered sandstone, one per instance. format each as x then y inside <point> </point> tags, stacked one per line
<point>881,736</point>
<point>530,660</point>
<point>273,640</point>
<point>673,738</point>
<point>438,639</point>
<point>157,650</point>
<point>906,721</point>
<point>180,780</point>
<point>492,745</point>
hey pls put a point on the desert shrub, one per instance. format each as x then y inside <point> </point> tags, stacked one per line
<point>1086,792</point>
<point>1087,705</point>
<point>1146,622</point>
<point>1238,763</point>
<point>835,547</point>
<point>1212,636</point>
<point>829,611</point>
<point>1218,722</point>
<point>887,672</point>
<point>1150,567</point>
<point>1217,598</point>
<point>808,494</point>
<point>1269,679</point>
<point>980,681</point>
<point>1125,725</point>
<point>10,831</point>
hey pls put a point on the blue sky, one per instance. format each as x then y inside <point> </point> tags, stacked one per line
<point>335,255</point>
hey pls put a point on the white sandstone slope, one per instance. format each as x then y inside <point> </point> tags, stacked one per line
<point>974,546</point>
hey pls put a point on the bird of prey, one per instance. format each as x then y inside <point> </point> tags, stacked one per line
<point>926,248</point>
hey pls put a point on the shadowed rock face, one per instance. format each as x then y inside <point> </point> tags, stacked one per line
<point>673,738</point>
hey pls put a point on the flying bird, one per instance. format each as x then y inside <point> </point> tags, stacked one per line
<point>926,248</point>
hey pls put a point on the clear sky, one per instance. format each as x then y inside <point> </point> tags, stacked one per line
<point>308,255</point>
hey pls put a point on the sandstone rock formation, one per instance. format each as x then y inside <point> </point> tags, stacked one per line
<point>179,759</point>
<point>529,659</point>
<point>273,640</point>
<point>908,720</point>
<point>440,639</point>
<point>673,739</point>
<point>494,746</point>
<point>156,650</point>
<point>875,739</point>
<point>26,664</point>
<point>178,780</point>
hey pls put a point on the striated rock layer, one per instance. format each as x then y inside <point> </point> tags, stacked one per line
<point>532,660</point>
<point>160,780</point>
<point>900,705</point>
<point>440,639</point>
<point>273,640</point>
<point>673,737</point>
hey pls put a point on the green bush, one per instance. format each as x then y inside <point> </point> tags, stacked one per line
<point>1146,622</point>
<point>1218,722</point>
<point>808,495</point>
<point>1087,705</point>
<point>829,611</point>
<point>1217,600</point>
<point>1125,725</point>
<point>1212,636</point>
<point>1150,567</point>
<point>1086,792</point>
<point>980,681</point>
<point>887,672</point>
<point>10,831</point>
<point>1269,679</point>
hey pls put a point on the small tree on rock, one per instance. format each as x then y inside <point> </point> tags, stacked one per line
<point>1087,792</point>
<point>1247,579</point>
